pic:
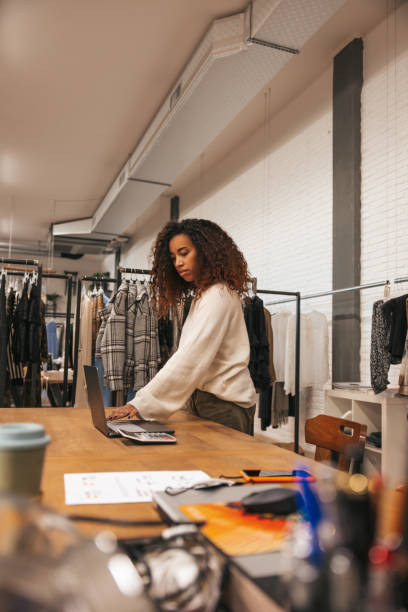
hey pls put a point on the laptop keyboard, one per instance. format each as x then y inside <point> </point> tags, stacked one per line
<point>130,426</point>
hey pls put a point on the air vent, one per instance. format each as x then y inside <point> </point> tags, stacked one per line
<point>220,79</point>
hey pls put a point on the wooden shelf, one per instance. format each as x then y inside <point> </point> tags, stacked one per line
<point>384,412</point>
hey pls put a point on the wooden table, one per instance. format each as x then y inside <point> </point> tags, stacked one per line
<point>76,446</point>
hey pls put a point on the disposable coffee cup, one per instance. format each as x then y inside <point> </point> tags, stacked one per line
<point>22,451</point>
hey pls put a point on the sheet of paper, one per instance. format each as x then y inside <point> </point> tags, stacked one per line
<point>125,487</point>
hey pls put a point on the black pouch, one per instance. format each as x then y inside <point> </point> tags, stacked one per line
<point>272,501</point>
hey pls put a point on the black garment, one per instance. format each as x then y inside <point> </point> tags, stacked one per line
<point>258,342</point>
<point>265,408</point>
<point>165,330</point>
<point>396,316</point>
<point>187,306</point>
<point>374,438</point>
<point>34,326</point>
<point>380,358</point>
<point>3,339</point>
<point>15,373</point>
<point>20,324</point>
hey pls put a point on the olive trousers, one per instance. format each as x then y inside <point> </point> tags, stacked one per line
<point>208,406</point>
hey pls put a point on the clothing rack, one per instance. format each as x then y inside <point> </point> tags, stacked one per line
<point>92,279</point>
<point>35,264</point>
<point>67,316</point>
<point>296,296</point>
<point>308,296</point>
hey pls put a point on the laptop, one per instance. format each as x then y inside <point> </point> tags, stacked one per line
<point>111,429</point>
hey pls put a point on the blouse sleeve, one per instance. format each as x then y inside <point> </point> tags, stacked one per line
<point>173,385</point>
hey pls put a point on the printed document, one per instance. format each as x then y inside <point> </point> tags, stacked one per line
<point>125,487</point>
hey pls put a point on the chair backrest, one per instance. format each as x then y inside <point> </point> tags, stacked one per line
<point>333,436</point>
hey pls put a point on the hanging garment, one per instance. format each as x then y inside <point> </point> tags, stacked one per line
<point>269,335</point>
<point>146,342</point>
<point>165,331</point>
<point>258,342</point>
<point>97,306</point>
<point>403,376</point>
<point>60,339</point>
<point>37,350</point>
<point>280,405</point>
<point>34,325</point>
<point>265,397</point>
<point>113,341</point>
<point>380,357</point>
<point>3,338</point>
<point>131,308</point>
<point>314,351</point>
<point>178,315</point>
<point>52,339</point>
<point>20,324</point>
<point>395,314</point>
<point>84,350</point>
<point>279,329</point>
<point>15,370</point>
<point>318,348</point>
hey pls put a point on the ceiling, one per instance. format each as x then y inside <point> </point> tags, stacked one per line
<point>81,82</point>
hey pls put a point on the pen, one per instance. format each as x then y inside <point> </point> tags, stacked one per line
<point>312,513</point>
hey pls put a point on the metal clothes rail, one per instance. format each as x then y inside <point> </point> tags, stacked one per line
<point>122,270</point>
<point>296,297</point>
<point>93,279</point>
<point>133,270</point>
<point>21,262</point>
<point>308,296</point>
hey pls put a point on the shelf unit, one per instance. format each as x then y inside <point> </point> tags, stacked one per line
<point>383,412</point>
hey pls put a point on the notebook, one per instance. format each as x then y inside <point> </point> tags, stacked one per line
<point>111,428</point>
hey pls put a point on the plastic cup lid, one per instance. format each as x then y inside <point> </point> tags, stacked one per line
<point>22,436</point>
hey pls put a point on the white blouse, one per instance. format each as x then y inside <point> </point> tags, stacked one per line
<point>212,356</point>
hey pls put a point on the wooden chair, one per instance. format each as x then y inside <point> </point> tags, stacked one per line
<point>332,437</point>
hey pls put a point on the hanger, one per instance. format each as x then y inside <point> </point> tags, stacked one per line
<point>254,285</point>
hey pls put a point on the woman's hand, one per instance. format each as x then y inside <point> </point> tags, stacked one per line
<point>122,412</point>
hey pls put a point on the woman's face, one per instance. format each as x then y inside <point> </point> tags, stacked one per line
<point>184,256</point>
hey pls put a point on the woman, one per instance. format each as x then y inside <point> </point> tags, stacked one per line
<point>210,366</point>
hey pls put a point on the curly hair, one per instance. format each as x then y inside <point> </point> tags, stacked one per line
<point>219,261</point>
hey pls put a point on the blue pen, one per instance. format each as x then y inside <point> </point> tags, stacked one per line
<point>312,513</point>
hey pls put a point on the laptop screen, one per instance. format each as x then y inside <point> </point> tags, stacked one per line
<point>97,407</point>
<point>95,400</point>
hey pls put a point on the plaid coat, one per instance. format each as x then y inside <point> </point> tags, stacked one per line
<point>128,340</point>
<point>113,341</point>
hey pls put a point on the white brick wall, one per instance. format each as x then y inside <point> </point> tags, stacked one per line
<point>384,169</point>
